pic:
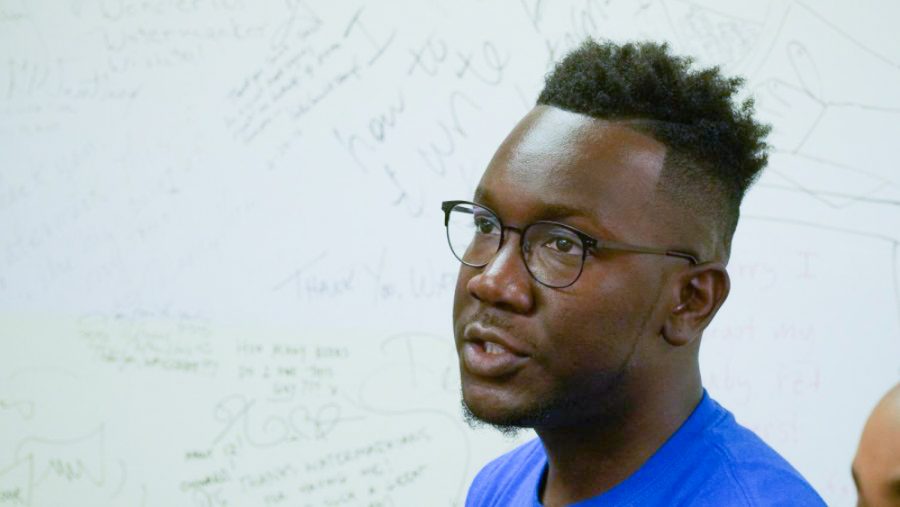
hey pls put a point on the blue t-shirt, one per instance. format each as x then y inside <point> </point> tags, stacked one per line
<point>711,460</point>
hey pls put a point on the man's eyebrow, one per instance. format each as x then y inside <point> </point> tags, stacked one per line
<point>559,210</point>
<point>480,195</point>
<point>548,210</point>
<point>551,211</point>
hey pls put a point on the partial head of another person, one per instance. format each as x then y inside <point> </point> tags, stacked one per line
<point>876,467</point>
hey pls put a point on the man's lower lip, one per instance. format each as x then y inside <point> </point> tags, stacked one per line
<point>479,362</point>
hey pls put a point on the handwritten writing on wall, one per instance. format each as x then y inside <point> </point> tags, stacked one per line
<point>224,278</point>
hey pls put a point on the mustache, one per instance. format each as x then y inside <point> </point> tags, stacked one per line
<point>491,319</point>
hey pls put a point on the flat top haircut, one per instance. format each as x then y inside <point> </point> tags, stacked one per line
<point>716,148</point>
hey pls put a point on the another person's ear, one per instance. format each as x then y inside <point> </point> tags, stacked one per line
<point>699,293</point>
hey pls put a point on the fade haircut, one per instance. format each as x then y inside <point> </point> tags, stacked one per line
<point>715,147</point>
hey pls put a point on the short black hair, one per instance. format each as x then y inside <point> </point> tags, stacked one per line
<point>716,149</point>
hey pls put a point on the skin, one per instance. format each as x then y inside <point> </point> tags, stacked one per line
<point>610,363</point>
<point>876,467</point>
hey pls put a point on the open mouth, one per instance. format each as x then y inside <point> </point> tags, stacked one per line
<point>489,359</point>
<point>494,348</point>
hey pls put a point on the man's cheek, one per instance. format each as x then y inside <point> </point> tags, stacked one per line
<point>461,294</point>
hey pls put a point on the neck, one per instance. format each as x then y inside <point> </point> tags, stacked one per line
<point>591,458</point>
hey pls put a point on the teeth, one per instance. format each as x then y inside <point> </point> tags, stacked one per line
<point>493,348</point>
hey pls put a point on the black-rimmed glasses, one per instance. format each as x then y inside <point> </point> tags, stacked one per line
<point>554,253</point>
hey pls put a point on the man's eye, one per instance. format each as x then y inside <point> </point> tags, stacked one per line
<point>564,245</point>
<point>484,226</point>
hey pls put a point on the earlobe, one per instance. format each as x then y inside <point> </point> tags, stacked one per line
<point>698,296</point>
<point>674,331</point>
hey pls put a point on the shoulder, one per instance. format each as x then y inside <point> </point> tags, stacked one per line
<point>510,479</point>
<point>739,468</point>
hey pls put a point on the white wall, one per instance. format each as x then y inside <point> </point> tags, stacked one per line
<point>223,278</point>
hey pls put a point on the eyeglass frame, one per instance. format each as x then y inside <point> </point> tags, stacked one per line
<point>589,243</point>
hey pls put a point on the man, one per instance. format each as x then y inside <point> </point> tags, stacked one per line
<point>594,256</point>
<point>876,468</point>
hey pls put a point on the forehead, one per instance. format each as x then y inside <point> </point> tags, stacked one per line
<point>557,160</point>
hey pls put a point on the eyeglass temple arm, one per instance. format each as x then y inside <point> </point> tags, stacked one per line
<point>612,245</point>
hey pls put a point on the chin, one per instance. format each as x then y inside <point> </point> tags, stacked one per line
<point>476,421</point>
<point>480,411</point>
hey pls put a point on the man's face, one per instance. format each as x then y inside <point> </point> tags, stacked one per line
<point>567,356</point>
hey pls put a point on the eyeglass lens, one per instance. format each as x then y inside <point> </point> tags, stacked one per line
<point>554,255</point>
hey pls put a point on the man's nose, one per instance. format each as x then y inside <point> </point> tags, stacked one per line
<point>505,281</point>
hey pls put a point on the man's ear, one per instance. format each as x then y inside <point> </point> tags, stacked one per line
<point>699,293</point>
